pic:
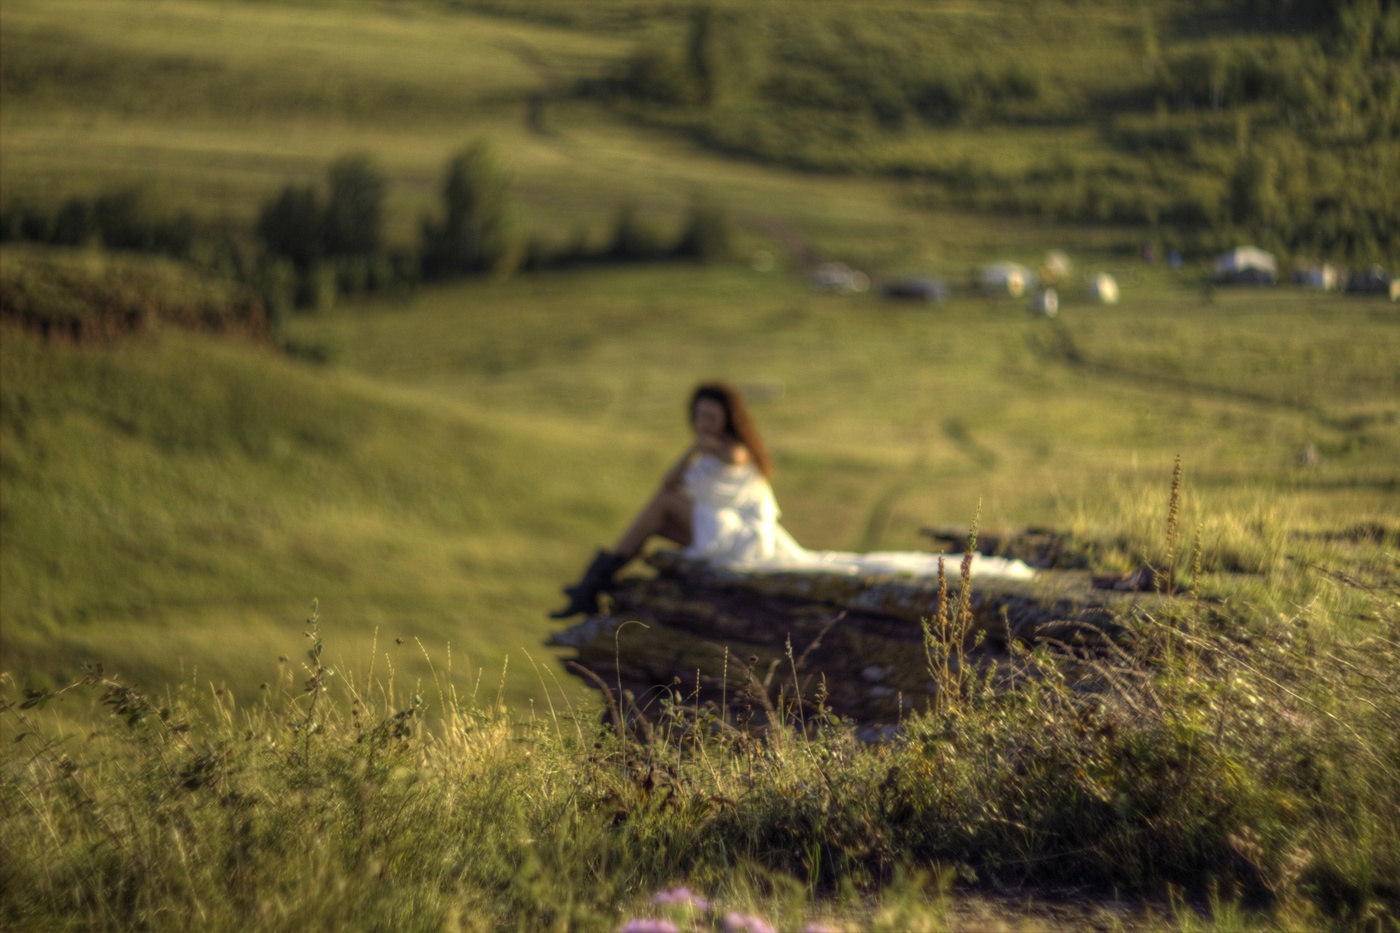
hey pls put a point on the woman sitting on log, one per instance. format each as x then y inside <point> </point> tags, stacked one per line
<point>716,503</point>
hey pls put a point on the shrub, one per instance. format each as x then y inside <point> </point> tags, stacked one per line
<point>346,228</point>
<point>706,235</point>
<point>632,240</point>
<point>81,297</point>
<point>353,216</point>
<point>124,218</point>
<point>316,287</point>
<point>22,220</point>
<point>661,74</point>
<point>473,233</point>
<point>75,224</point>
<point>275,281</point>
<point>290,225</point>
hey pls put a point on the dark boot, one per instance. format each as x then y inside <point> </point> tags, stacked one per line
<point>583,595</point>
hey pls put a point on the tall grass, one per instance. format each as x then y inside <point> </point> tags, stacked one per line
<point>1255,764</point>
<point>168,497</point>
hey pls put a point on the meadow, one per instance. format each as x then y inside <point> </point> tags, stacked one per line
<point>429,465</point>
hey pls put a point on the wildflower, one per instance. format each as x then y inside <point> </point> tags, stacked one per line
<point>680,897</point>
<point>649,925</point>
<point>735,922</point>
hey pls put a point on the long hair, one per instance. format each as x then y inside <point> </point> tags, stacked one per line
<point>737,422</point>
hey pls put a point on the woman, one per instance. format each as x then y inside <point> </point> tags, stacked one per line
<point>716,502</point>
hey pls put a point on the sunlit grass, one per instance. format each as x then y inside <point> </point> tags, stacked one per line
<point>1243,785</point>
<point>465,449</point>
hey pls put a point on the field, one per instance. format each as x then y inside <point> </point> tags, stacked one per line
<point>429,464</point>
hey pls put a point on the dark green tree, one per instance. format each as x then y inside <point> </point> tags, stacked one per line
<point>721,53</point>
<point>75,224</point>
<point>353,219</point>
<point>706,236</point>
<point>473,233</point>
<point>290,226</point>
<point>633,241</point>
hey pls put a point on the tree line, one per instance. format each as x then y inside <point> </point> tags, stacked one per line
<point>1261,120</point>
<point>312,243</point>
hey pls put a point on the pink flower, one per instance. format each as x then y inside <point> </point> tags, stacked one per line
<point>680,897</point>
<point>649,925</point>
<point>735,922</point>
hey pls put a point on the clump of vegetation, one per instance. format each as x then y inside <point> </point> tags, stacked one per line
<point>318,245</point>
<point>473,234</point>
<point>1255,764</point>
<point>334,243</point>
<point>128,218</point>
<point>705,236</point>
<point>1209,141</point>
<point>87,297</point>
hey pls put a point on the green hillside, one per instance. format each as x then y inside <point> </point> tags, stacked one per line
<point>1197,124</point>
<point>173,500</point>
<point>417,476</point>
<point>1204,123</point>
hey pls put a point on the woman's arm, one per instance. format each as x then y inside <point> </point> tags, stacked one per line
<point>675,477</point>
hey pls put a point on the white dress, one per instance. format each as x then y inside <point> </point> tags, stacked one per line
<point>736,526</point>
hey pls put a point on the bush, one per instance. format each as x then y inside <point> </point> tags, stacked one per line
<point>22,221</point>
<point>82,297</point>
<point>316,287</point>
<point>473,234</point>
<point>290,225</point>
<point>632,240</point>
<point>75,224</point>
<point>706,236</point>
<point>353,217</point>
<point>299,225</point>
<point>123,219</point>
<point>661,74</point>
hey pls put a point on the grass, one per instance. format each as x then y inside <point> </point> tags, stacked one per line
<point>246,120</point>
<point>180,484</point>
<point>427,481</point>
<point>341,799</point>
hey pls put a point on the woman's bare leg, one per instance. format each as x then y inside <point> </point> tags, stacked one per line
<point>668,514</point>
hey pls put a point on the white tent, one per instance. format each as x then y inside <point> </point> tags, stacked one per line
<point>1008,278</point>
<point>1103,288</point>
<point>1246,263</point>
<point>1316,275</point>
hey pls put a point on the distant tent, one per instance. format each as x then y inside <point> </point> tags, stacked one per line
<point>1103,288</point>
<point>1248,265</point>
<point>917,288</point>
<point>1316,275</point>
<point>1056,266</point>
<point>1373,280</point>
<point>838,277</point>
<point>1007,278</point>
<point>1046,302</point>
